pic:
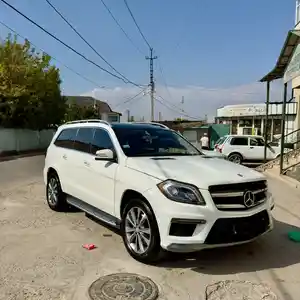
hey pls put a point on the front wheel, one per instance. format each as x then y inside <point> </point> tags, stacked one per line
<point>140,232</point>
<point>235,158</point>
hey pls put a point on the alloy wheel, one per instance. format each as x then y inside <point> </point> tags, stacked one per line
<point>53,191</point>
<point>235,159</point>
<point>137,230</point>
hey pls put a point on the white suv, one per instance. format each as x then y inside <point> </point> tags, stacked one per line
<point>245,148</point>
<point>160,190</point>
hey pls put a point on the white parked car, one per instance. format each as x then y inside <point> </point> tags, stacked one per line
<point>245,148</point>
<point>157,188</point>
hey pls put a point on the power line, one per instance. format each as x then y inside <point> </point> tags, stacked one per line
<point>175,108</point>
<point>52,57</point>
<point>116,21</point>
<point>66,45</point>
<point>164,80</point>
<point>136,24</point>
<point>130,98</point>
<point>80,35</point>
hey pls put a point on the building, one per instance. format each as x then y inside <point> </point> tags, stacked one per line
<point>250,118</point>
<point>104,110</point>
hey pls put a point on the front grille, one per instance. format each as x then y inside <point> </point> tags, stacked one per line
<point>233,196</point>
<point>234,230</point>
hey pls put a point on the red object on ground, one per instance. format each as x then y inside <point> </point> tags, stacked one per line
<point>89,246</point>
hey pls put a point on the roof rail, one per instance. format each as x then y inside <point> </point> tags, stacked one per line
<point>153,123</point>
<point>88,121</point>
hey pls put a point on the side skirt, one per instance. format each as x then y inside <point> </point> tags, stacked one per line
<point>95,212</point>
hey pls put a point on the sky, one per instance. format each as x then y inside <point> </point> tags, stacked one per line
<point>211,53</point>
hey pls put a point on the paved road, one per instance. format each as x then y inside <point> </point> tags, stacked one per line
<point>41,254</point>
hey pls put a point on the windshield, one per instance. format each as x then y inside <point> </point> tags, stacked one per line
<point>150,141</point>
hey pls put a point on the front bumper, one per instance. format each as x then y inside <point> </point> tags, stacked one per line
<point>208,226</point>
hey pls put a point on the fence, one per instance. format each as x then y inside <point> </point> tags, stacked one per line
<point>18,140</point>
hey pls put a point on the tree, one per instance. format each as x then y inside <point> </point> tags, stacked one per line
<point>30,95</point>
<point>76,112</point>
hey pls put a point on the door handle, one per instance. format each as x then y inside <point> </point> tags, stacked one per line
<point>86,163</point>
<point>251,147</point>
<point>65,156</point>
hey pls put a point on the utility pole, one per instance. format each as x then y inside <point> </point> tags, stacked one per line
<point>152,86</point>
<point>128,115</point>
<point>182,103</point>
<point>159,116</point>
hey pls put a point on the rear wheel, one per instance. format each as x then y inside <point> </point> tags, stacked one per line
<point>235,158</point>
<point>140,232</point>
<point>56,198</point>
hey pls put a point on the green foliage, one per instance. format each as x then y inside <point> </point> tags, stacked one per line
<point>30,95</point>
<point>76,112</point>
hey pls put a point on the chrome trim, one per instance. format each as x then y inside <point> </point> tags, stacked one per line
<point>235,194</point>
<point>237,206</point>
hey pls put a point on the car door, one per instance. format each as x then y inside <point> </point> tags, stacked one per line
<point>256,148</point>
<point>79,170</point>
<point>238,144</point>
<point>63,157</point>
<point>101,174</point>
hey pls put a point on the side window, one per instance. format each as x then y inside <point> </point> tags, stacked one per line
<point>256,142</point>
<point>66,138</point>
<point>84,139</point>
<point>239,141</point>
<point>101,141</point>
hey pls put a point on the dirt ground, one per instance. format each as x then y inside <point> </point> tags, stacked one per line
<point>41,254</point>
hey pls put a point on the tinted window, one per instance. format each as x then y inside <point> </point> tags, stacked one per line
<point>101,141</point>
<point>66,138</point>
<point>84,139</point>
<point>153,141</point>
<point>239,141</point>
<point>257,142</point>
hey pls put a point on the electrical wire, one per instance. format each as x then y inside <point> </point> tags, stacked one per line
<point>52,57</point>
<point>66,45</point>
<point>164,80</point>
<point>119,25</point>
<point>136,24</point>
<point>127,100</point>
<point>82,38</point>
<point>175,108</point>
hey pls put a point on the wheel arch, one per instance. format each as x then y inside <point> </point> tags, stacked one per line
<point>50,172</point>
<point>129,195</point>
<point>236,152</point>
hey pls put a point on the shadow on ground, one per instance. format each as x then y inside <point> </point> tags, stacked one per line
<point>273,250</point>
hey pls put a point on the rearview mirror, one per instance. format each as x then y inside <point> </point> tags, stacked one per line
<point>105,154</point>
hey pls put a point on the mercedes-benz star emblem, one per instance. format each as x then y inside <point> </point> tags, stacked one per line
<point>249,199</point>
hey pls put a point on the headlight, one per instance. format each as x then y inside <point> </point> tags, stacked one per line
<point>181,192</point>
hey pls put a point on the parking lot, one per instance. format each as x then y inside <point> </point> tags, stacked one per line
<point>41,254</point>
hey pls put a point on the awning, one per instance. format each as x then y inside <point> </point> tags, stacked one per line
<point>291,42</point>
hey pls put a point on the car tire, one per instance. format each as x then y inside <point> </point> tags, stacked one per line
<point>144,245</point>
<point>56,198</point>
<point>235,158</point>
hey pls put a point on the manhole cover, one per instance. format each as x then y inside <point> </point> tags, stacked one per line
<point>237,290</point>
<point>123,286</point>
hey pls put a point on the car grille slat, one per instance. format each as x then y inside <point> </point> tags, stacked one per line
<point>232,196</point>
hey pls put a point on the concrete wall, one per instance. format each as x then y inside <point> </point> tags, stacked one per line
<point>23,139</point>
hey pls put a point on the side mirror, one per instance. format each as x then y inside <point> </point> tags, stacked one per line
<point>105,154</point>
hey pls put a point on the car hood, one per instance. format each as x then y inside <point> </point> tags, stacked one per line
<point>201,171</point>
